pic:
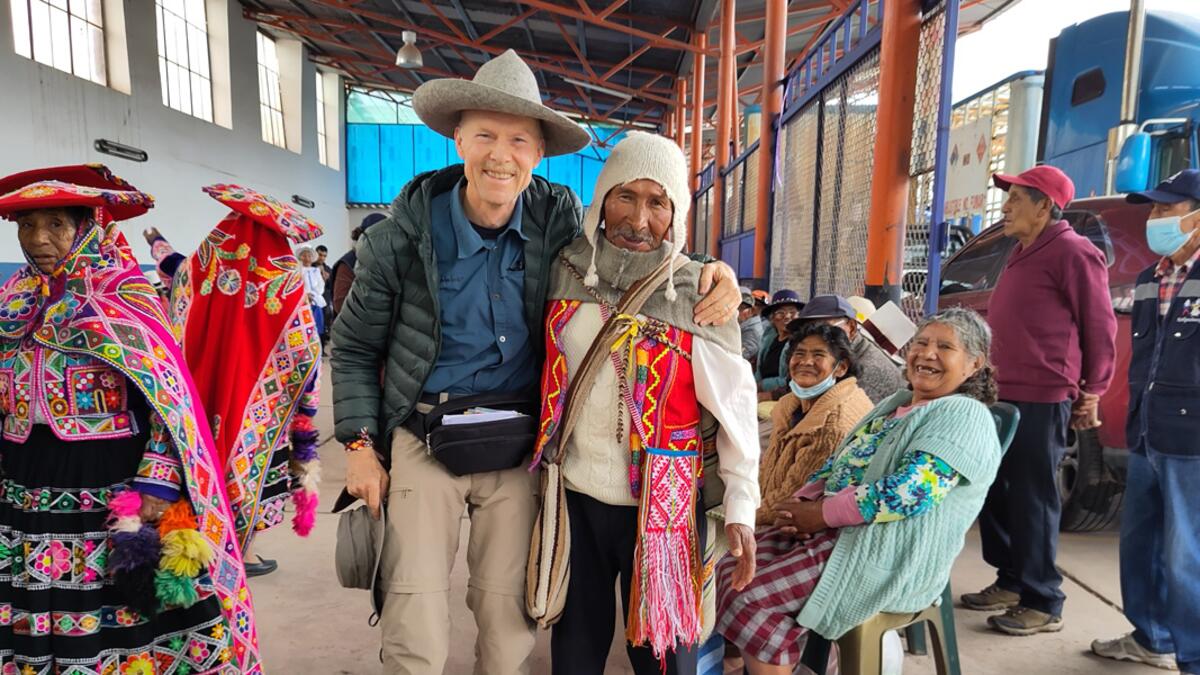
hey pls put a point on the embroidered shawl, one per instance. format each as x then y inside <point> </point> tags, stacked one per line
<point>238,309</point>
<point>100,304</point>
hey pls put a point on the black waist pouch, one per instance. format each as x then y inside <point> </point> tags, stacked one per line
<point>479,447</point>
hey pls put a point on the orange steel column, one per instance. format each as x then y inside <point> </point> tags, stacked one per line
<point>680,115</point>
<point>893,146</point>
<point>725,117</point>
<point>698,108</point>
<point>774,52</point>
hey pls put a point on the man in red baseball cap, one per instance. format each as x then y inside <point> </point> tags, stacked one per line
<point>1053,335</point>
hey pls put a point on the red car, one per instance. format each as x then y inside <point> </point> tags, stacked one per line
<point>1092,476</point>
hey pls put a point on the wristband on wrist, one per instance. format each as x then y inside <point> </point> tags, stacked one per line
<point>363,442</point>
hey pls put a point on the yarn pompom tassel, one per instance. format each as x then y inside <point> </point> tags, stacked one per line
<point>173,590</point>
<point>306,477</point>
<point>304,444</point>
<point>178,516</point>
<point>131,564</point>
<point>306,511</point>
<point>185,552</point>
<point>125,504</point>
<point>131,550</point>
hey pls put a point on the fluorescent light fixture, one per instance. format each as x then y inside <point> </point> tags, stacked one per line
<point>120,150</point>
<point>409,56</point>
<point>595,87</point>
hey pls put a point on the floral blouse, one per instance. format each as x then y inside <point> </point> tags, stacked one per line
<point>921,482</point>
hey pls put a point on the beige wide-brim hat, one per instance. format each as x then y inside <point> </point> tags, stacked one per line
<point>504,84</point>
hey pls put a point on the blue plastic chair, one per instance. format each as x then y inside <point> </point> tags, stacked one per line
<point>816,652</point>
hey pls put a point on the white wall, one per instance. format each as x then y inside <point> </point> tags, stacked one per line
<point>51,118</point>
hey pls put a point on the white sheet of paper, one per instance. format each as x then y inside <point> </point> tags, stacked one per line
<point>480,415</point>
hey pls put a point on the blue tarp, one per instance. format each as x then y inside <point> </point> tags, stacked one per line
<point>381,158</point>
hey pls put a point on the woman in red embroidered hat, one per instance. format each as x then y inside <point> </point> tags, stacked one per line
<point>117,547</point>
<point>252,344</point>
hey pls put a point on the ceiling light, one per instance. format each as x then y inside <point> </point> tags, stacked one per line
<point>409,56</point>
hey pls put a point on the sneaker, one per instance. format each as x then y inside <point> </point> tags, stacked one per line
<point>1024,621</point>
<point>991,599</point>
<point>1125,648</point>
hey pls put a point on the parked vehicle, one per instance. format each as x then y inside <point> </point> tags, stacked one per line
<point>1090,108</point>
<point>1092,477</point>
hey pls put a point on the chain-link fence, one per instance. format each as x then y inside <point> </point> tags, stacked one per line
<point>823,191</point>
<point>921,164</point>
<point>702,220</point>
<point>741,195</point>
<point>793,224</point>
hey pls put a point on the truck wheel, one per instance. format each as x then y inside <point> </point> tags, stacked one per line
<point>1091,492</point>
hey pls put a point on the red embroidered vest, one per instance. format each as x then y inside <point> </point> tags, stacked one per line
<point>661,388</point>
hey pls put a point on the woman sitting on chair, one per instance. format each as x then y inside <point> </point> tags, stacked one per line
<point>878,527</point>
<point>823,405</point>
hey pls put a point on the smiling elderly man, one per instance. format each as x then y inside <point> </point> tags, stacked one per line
<point>630,466</point>
<point>1053,344</point>
<point>447,299</point>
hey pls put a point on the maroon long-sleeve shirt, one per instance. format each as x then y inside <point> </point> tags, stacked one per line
<point>1052,319</point>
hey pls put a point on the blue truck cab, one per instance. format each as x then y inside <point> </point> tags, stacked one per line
<point>1082,102</point>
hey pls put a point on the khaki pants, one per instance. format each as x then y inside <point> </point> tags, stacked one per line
<point>425,508</point>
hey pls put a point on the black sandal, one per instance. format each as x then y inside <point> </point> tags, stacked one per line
<point>263,566</point>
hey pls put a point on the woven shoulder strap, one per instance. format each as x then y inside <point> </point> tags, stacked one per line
<point>581,385</point>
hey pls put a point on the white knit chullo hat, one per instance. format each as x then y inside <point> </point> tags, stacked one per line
<point>638,156</point>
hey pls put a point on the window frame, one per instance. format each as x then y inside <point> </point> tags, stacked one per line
<point>60,16</point>
<point>1083,87</point>
<point>189,78</point>
<point>322,132</point>
<point>270,97</point>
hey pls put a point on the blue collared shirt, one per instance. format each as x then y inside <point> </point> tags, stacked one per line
<point>481,289</point>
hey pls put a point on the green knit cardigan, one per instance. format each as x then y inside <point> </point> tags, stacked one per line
<point>903,566</point>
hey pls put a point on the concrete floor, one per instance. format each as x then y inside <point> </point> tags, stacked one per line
<point>308,624</point>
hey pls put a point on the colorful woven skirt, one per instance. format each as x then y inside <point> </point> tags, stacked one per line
<point>59,612</point>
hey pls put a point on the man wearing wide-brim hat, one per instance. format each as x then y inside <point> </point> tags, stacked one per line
<point>448,298</point>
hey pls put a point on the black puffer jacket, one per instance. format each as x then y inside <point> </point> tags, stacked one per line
<point>391,318</point>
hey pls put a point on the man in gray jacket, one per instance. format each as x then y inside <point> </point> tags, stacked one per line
<point>447,301</point>
<point>880,376</point>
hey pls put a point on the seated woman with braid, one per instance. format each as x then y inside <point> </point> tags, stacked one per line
<point>823,404</point>
<point>878,527</point>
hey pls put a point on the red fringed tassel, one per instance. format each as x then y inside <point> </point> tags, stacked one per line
<point>667,584</point>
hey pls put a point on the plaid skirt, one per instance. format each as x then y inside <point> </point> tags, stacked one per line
<point>761,619</point>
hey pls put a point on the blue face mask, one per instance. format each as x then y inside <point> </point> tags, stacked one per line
<point>1165,235</point>
<point>805,393</point>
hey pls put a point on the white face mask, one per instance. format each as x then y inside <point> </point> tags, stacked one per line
<point>805,393</point>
